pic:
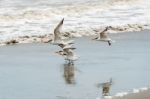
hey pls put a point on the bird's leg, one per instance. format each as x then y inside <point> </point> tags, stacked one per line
<point>69,61</point>
<point>109,43</point>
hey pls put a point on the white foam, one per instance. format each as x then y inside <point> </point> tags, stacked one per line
<point>136,90</point>
<point>80,18</point>
<point>108,97</point>
<point>143,89</point>
<point>121,94</point>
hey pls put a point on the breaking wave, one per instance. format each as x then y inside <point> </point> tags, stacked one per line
<point>82,17</point>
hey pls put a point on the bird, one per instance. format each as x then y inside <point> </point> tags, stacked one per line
<point>66,45</point>
<point>57,33</point>
<point>65,50</point>
<point>58,39</point>
<point>103,36</point>
<point>69,55</point>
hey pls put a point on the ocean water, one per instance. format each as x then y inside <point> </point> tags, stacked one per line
<point>38,17</point>
<point>33,71</point>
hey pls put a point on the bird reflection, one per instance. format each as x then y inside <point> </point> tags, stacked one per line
<point>69,73</point>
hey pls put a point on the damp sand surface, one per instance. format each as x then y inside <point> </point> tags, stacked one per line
<point>34,71</point>
<point>142,95</point>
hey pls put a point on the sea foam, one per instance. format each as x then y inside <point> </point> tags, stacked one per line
<point>81,18</point>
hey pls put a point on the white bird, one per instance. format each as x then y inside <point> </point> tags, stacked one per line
<point>57,34</point>
<point>104,37</point>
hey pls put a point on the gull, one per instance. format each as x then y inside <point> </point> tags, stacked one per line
<point>103,36</point>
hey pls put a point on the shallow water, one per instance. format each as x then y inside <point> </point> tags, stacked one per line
<point>33,71</point>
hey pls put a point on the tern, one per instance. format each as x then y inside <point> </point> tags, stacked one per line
<point>103,36</point>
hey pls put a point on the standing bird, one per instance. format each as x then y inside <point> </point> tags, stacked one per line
<point>103,36</point>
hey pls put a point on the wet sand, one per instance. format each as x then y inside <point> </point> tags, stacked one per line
<point>141,95</point>
<point>33,71</point>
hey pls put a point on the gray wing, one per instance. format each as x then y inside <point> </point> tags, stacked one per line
<point>57,34</point>
<point>103,34</point>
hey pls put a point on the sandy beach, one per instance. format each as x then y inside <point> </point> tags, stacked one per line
<point>34,71</point>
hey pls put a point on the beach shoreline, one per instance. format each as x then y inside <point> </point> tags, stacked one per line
<point>140,95</point>
<point>46,38</point>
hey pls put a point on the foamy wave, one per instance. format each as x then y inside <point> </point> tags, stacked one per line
<point>87,18</point>
<point>133,91</point>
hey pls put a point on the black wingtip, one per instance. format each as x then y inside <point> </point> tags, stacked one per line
<point>94,38</point>
<point>63,20</point>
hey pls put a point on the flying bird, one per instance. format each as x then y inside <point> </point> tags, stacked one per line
<point>103,36</point>
<point>65,44</point>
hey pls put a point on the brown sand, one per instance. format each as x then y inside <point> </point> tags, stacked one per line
<point>141,95</point>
